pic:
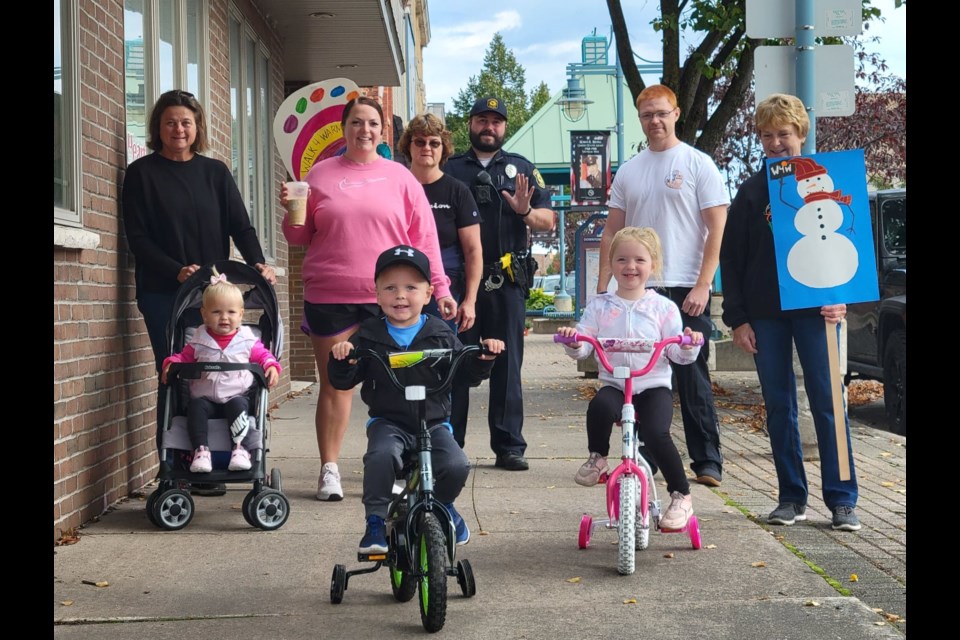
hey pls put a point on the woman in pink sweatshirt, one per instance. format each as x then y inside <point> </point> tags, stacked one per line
<point>360,204</point>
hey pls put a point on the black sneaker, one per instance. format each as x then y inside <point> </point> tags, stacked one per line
<point>788,513</point>
<point>845,519</point>
<point>512,461</point>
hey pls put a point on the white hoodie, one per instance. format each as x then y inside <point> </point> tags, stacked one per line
<point>653,317</point>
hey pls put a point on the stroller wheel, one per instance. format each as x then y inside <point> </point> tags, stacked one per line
<point>151,501</point>
<point>245,507</point>
<point>173,509</point>
<point>269,510</point>
<point>275,479</point>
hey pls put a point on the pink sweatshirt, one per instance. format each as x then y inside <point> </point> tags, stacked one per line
<point>354,213</point>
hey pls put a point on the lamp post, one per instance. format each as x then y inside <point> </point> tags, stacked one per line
<point>574,103</point>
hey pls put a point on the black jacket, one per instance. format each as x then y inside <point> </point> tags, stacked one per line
<point>378,392</point>
<point>748,262</point>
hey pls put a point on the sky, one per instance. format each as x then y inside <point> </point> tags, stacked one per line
<point>545,36</point>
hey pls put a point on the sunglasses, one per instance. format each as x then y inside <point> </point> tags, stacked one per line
<point>420,142</point>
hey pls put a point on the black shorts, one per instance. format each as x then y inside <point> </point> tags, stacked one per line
<point>325,320</point>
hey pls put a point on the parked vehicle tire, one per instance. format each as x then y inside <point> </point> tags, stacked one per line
<point>895,381</point>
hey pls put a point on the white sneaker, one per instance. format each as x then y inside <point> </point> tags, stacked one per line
<point>201,461</point>
<point>328,488</point>
<point>239,460</point>
<point>678,513</point>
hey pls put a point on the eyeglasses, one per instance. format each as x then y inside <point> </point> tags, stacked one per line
<point>420,142</point>
<point>659,115</point>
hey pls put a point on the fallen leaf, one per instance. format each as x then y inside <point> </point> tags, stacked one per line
<point>630,601</point>
<point>484,533</point>
<point>67,603</point>
<point>574,580</point>
<point>854,577</point>
<point>876,610</point>
<point>811,603</point>
<point>711,546</point>
<point>514,512</point>
<point>880,623</point>
<point>779,538</point>
<point>759,563</point>
<point>668,555</point>
<point>99,583</point>
<point>553,486</point>
<point>891,617</point>
<point>887,484</point>
<point>885,454</point>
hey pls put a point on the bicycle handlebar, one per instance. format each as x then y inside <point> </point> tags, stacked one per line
<point>404,359</point>
<point>631,345</point>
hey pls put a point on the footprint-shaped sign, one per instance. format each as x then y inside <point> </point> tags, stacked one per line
<point>307,125</point>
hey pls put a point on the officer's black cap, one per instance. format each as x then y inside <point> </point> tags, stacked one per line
<point>489,103</point>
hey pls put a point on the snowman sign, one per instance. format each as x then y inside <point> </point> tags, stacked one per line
<point>822,234</point>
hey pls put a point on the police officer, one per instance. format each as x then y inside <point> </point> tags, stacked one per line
<point>512,198</point>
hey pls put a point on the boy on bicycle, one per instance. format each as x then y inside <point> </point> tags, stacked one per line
<point>402,276</point>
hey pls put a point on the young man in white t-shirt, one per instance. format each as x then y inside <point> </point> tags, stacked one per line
<point>679,192</point>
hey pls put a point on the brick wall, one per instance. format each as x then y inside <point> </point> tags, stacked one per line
<point>104,386</point>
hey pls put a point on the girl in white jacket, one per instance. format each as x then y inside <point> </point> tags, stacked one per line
<point>634,311</point>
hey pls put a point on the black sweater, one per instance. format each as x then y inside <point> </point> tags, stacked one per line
<point>378,392</point>
<point>748,263</point>
<point>182,213</point>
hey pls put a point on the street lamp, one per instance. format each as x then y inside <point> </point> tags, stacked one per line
<point>574,102</point>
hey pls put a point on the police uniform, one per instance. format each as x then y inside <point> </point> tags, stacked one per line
<point>501,310</point>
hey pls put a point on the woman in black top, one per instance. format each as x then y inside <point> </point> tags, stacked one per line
<point>180,210</point>
<point>428,145</point>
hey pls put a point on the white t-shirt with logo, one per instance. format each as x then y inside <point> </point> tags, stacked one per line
<point>667,190</point>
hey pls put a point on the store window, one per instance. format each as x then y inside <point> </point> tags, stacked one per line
<point>251,124</point>
<point>163,50</point>
<point>66,207</point>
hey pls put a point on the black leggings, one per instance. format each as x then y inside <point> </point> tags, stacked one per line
<point>201,410</point>
<point>654,411</point>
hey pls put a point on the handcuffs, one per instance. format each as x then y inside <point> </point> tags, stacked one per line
<point>495,280</point>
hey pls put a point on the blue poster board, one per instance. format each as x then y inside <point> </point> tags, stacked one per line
<point>821,229</point>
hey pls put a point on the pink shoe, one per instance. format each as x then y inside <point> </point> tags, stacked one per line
<point>239,459</point>
<point>201,461</point>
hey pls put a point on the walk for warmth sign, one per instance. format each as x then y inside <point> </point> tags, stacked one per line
<point>821,229</point>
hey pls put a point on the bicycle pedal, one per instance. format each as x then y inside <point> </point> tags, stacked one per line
<point>371,557</point>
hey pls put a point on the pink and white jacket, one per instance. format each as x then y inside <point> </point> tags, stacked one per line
<point>653,317</point>
<point>221,386</point>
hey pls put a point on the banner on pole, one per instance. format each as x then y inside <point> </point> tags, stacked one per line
<point>590,176</point>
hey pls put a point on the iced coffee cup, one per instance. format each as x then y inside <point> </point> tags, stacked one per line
<point>297,203</point>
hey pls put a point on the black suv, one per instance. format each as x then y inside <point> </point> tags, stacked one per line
<point>877,331</point>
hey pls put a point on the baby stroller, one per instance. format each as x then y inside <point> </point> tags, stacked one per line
<point>171,506</point>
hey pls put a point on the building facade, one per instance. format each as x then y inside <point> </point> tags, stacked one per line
<point>112,59</point>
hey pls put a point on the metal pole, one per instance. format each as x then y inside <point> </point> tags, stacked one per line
<point>562,301</point>
<point>806,68</point>
<point>619,113</point>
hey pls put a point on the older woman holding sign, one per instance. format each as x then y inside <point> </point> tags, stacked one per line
<point>751,307</point>
<point>359,205</point>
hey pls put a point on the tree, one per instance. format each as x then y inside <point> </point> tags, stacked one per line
<point>724,53</point>
<point>501,76</point>
<point>878,126</point>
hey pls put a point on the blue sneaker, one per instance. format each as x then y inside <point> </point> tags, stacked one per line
<point>375,539</point>
<point>463,531</point>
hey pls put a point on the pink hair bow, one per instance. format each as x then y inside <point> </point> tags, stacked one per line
<point>218,278</point>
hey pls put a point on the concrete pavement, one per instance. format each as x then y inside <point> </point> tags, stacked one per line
<point>219,578</point>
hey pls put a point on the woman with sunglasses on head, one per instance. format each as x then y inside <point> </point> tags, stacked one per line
<point>180,210</point>
<point>428,144</point>
<point>359,205</point>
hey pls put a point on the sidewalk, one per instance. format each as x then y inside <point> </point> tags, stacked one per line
<point>219,578</point>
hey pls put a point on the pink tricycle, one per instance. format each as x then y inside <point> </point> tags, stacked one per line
<point>632,508</point>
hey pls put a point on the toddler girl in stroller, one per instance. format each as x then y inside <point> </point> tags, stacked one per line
<point>216,394</point>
